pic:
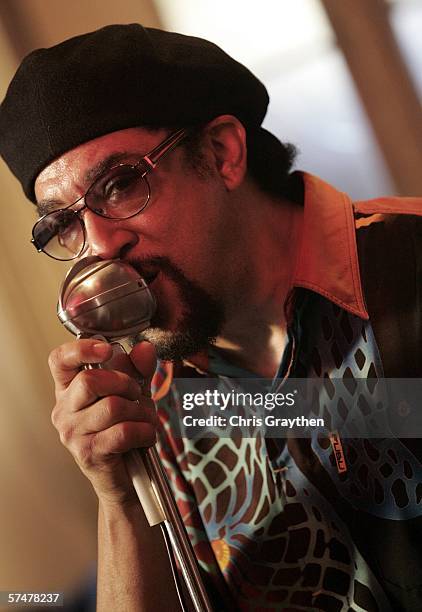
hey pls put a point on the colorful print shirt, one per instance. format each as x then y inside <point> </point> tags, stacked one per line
<point>274,524</point>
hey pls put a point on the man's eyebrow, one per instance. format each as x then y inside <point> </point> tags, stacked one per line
<point>47,205</point>
<point>105,164</point>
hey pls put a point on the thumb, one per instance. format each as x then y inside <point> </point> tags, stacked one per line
<point>144,358</point>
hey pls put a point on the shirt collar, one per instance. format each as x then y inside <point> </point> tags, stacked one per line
<point>327,261</point>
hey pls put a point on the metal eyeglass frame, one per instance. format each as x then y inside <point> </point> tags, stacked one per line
<point>150,159</point>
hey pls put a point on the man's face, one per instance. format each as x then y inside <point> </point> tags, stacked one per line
<point>180,242</point>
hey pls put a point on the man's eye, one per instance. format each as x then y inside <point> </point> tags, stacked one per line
<point>68,234</point>
<point>120,185</point>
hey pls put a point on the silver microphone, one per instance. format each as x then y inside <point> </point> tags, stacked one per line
<point>106,297</point>
<point>110,300</point>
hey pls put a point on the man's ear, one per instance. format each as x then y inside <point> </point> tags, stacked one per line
<point>226,138</point>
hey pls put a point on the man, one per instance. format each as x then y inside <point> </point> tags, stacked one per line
<point>256,273</point>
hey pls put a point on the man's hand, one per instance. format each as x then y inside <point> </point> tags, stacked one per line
<point>102,414</point>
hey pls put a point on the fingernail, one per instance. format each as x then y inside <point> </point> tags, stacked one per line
<point>101,349</point>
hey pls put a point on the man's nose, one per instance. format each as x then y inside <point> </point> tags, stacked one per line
<point>107,238</point>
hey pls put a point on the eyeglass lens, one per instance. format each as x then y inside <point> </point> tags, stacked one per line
<point>121,193</point>
<point>60,234</point>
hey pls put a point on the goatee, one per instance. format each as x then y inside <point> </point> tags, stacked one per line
<point>201,319</point>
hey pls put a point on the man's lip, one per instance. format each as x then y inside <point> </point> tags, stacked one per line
<point>150,278</point>
<point>148,273</point>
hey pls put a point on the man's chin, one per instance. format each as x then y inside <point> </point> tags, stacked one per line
<point>175,345</point>
<point>187,319</point>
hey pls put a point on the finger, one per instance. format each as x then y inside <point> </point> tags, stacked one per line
<point>123,437</point>
<point>112,410</point>
<point>144,358</point>
<point>122,362</point>
<point>90,385</point>
<point>66,360</point>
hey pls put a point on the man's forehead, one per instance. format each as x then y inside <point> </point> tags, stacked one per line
<point>132,139</point>
<point>82,165</point>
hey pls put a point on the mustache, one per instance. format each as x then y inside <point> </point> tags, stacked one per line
<point>149,267</point>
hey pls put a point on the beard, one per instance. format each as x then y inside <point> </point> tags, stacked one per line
<point>199,323</point>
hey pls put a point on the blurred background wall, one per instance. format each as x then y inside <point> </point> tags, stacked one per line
<point>345,80</point>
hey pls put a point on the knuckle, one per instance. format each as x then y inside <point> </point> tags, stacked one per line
<point>112,406</point>
<point>123,431</point>
<point>119,380</point>
<point>83,453</point>
<point>86,380</point>
<point>123,382</point>
<point>121,435</point>
<point>87,376</point>
<point>55,416</point>
<point>66,434</point>
<point>54,358</point>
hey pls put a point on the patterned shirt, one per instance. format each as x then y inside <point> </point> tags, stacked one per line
<point>275,524</point>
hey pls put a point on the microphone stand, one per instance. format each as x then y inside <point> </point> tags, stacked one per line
<point>171,520</point>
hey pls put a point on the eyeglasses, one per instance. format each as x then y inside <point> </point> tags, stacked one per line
<point>120,193</point>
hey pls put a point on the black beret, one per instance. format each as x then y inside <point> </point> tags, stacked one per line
<point>118,77</point>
